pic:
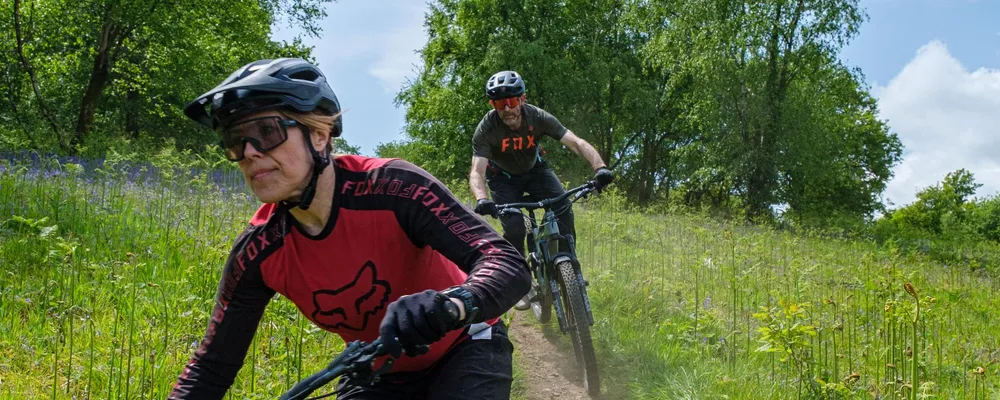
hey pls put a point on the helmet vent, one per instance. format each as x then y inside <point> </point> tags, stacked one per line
<point>305,75</point>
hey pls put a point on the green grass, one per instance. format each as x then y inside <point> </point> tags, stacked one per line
<point>112,302</point>
<point>683,305</point>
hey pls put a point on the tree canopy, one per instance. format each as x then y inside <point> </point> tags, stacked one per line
<point>736,105</point>
<point>79,76</point>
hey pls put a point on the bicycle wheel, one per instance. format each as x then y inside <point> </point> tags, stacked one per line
<point>579,327</point>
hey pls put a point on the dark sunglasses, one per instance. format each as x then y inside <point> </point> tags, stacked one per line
<point>511,102</point>
<point>264,134</point>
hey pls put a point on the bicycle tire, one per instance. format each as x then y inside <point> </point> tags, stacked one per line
<point>579,327</point>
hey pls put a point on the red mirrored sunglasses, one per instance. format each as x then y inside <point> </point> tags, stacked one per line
<point>511,102</point>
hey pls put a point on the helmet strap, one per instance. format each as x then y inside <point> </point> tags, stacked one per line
<point>319,164</point>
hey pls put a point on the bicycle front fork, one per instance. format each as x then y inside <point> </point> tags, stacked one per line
<point>586,298</point>
<point>557,303</point>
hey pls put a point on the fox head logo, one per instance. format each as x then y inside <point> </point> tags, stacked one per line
<point>350,306</point>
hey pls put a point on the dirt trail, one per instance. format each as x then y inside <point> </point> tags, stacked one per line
<point>547,372</point>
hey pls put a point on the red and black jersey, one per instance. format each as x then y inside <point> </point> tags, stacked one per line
<point>393,230</point>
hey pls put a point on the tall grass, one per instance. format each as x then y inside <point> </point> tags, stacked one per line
<point>108,281</point>
<point>688,307</point>
<point>109,273</point>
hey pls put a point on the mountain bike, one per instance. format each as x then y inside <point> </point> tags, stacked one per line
<point>357,361</point>
<point>558,280</point>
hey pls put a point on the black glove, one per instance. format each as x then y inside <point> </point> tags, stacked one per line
<point>486,207</point>
<point>415,320</point>
<point>603,177</point>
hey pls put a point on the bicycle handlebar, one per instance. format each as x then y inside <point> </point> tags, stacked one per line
<point>357,356</point>
<point>580,191</point>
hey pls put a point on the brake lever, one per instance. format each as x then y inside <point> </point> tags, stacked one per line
<point>363,361</point>
<point>592,186</point>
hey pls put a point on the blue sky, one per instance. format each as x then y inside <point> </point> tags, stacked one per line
<point>934,65</point>
<point>897,28</point>
<point>367,50</point>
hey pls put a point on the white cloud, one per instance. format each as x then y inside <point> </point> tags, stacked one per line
<point>396,57</point>
<point>947,118</point>
<point>380,37</point>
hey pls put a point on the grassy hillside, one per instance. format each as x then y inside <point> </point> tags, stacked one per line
<point>108,277</point>
<point>691,308</point>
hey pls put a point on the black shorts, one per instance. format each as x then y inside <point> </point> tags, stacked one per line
<point>479,367</point>
<point>539,183</point>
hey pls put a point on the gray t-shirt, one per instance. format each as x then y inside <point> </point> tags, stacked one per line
<point>515,152</point>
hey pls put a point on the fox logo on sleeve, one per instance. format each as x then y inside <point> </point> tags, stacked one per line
<point>350,306</point>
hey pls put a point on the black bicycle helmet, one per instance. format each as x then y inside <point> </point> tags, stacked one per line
<point>504,84</point>
<point>291,83</point>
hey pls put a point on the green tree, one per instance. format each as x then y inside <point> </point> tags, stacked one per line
<point>936,204</point>
<point>341,146</point>
<point>838,156</point>
<point>720,103</point>
<point>773,107</point>
<point>124,67</point>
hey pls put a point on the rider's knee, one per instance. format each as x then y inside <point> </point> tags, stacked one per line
<point>513,225</point>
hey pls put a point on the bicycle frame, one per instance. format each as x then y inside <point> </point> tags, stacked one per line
<point>547,247</point>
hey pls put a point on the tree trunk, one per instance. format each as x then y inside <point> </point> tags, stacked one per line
<point>99,77</point>
<point>646,168</point>
<point>762,185</point>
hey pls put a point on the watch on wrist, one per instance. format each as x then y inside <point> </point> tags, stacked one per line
<point>465,296</point>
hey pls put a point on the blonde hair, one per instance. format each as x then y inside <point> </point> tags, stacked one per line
<point>315,122</point>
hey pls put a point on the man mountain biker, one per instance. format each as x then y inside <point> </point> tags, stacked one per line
<point>362,246</point>
<point>506,155</point>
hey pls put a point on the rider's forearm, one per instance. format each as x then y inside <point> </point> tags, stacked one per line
<point>591,155</point>
<point>497,275</point>
<point>477,182</point>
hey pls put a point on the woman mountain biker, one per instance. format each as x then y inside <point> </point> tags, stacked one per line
<point>362,246</point>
